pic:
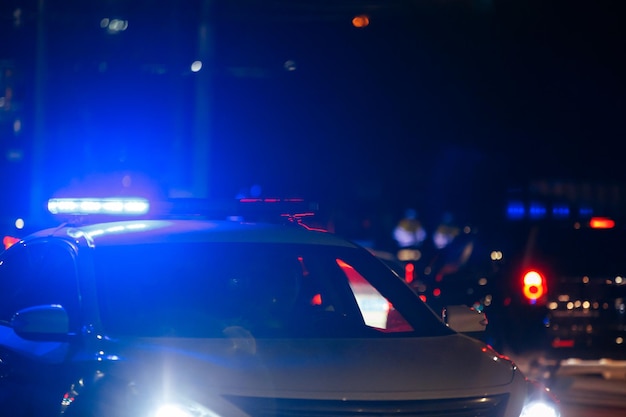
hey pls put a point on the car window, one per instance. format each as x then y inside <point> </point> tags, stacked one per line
<point>274,290</point>
<point>36,274</point>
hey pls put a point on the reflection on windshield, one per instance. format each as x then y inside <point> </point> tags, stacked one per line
<point>273,290</point>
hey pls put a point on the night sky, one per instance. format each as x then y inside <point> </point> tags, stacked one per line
<point>438,103</point>
<point>446,102</point>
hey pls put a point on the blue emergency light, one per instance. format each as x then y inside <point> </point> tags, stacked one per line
<point>106,206</point>
<point>515,210</point>
<point>560,211</point>
<point>258,209</point>
<point>537,210</point>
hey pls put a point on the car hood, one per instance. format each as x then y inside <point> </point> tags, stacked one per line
<point>317,368</point>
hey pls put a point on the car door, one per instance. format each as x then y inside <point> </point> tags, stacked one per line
<point>32,371</point>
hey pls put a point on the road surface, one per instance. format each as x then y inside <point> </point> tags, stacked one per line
<point>585,388</point>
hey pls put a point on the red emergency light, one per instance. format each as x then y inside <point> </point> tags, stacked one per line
<point>601,223</point>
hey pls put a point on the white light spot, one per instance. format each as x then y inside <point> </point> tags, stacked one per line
<point>196,66</point>
<point>290,65</point>
<point>117,25</point>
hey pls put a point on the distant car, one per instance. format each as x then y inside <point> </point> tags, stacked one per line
<point>202,316</point>
<point>568,288</point>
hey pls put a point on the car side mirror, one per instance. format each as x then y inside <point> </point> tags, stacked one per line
<point>464,319</point>
<point>42,323</point>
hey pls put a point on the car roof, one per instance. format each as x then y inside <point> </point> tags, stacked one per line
<point>130,232</point>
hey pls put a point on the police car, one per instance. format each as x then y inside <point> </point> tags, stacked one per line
<point>215,315</point>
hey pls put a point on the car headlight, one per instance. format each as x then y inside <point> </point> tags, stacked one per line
<point>540,409</point>
<point>540,402</point>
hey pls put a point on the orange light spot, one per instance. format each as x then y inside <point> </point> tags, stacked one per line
<point>601,223</point>
<point>360,21</point>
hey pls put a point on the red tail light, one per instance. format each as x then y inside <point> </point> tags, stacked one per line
<point>409,271</point>
<point>534,286</point>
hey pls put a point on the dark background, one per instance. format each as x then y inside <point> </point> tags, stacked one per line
<point>438,105</point>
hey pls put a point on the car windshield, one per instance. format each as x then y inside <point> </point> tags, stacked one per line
<point>272,290</point>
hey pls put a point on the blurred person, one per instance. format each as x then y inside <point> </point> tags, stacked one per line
<point>454,255</point>
<point>446,232</point>
<point>409,231</point>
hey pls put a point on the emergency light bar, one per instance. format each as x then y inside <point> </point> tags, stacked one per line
<point>535,210</point>
<point>261,209</point>
<point>107,206</point>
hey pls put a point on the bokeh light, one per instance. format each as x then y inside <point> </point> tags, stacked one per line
<point>196,66</point>
<point>360,21</point>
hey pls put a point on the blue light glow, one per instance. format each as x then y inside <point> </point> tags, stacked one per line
<point>515,210</point>
<point>537,210</point>
<point>122,206</point>
<point>560,211</point>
